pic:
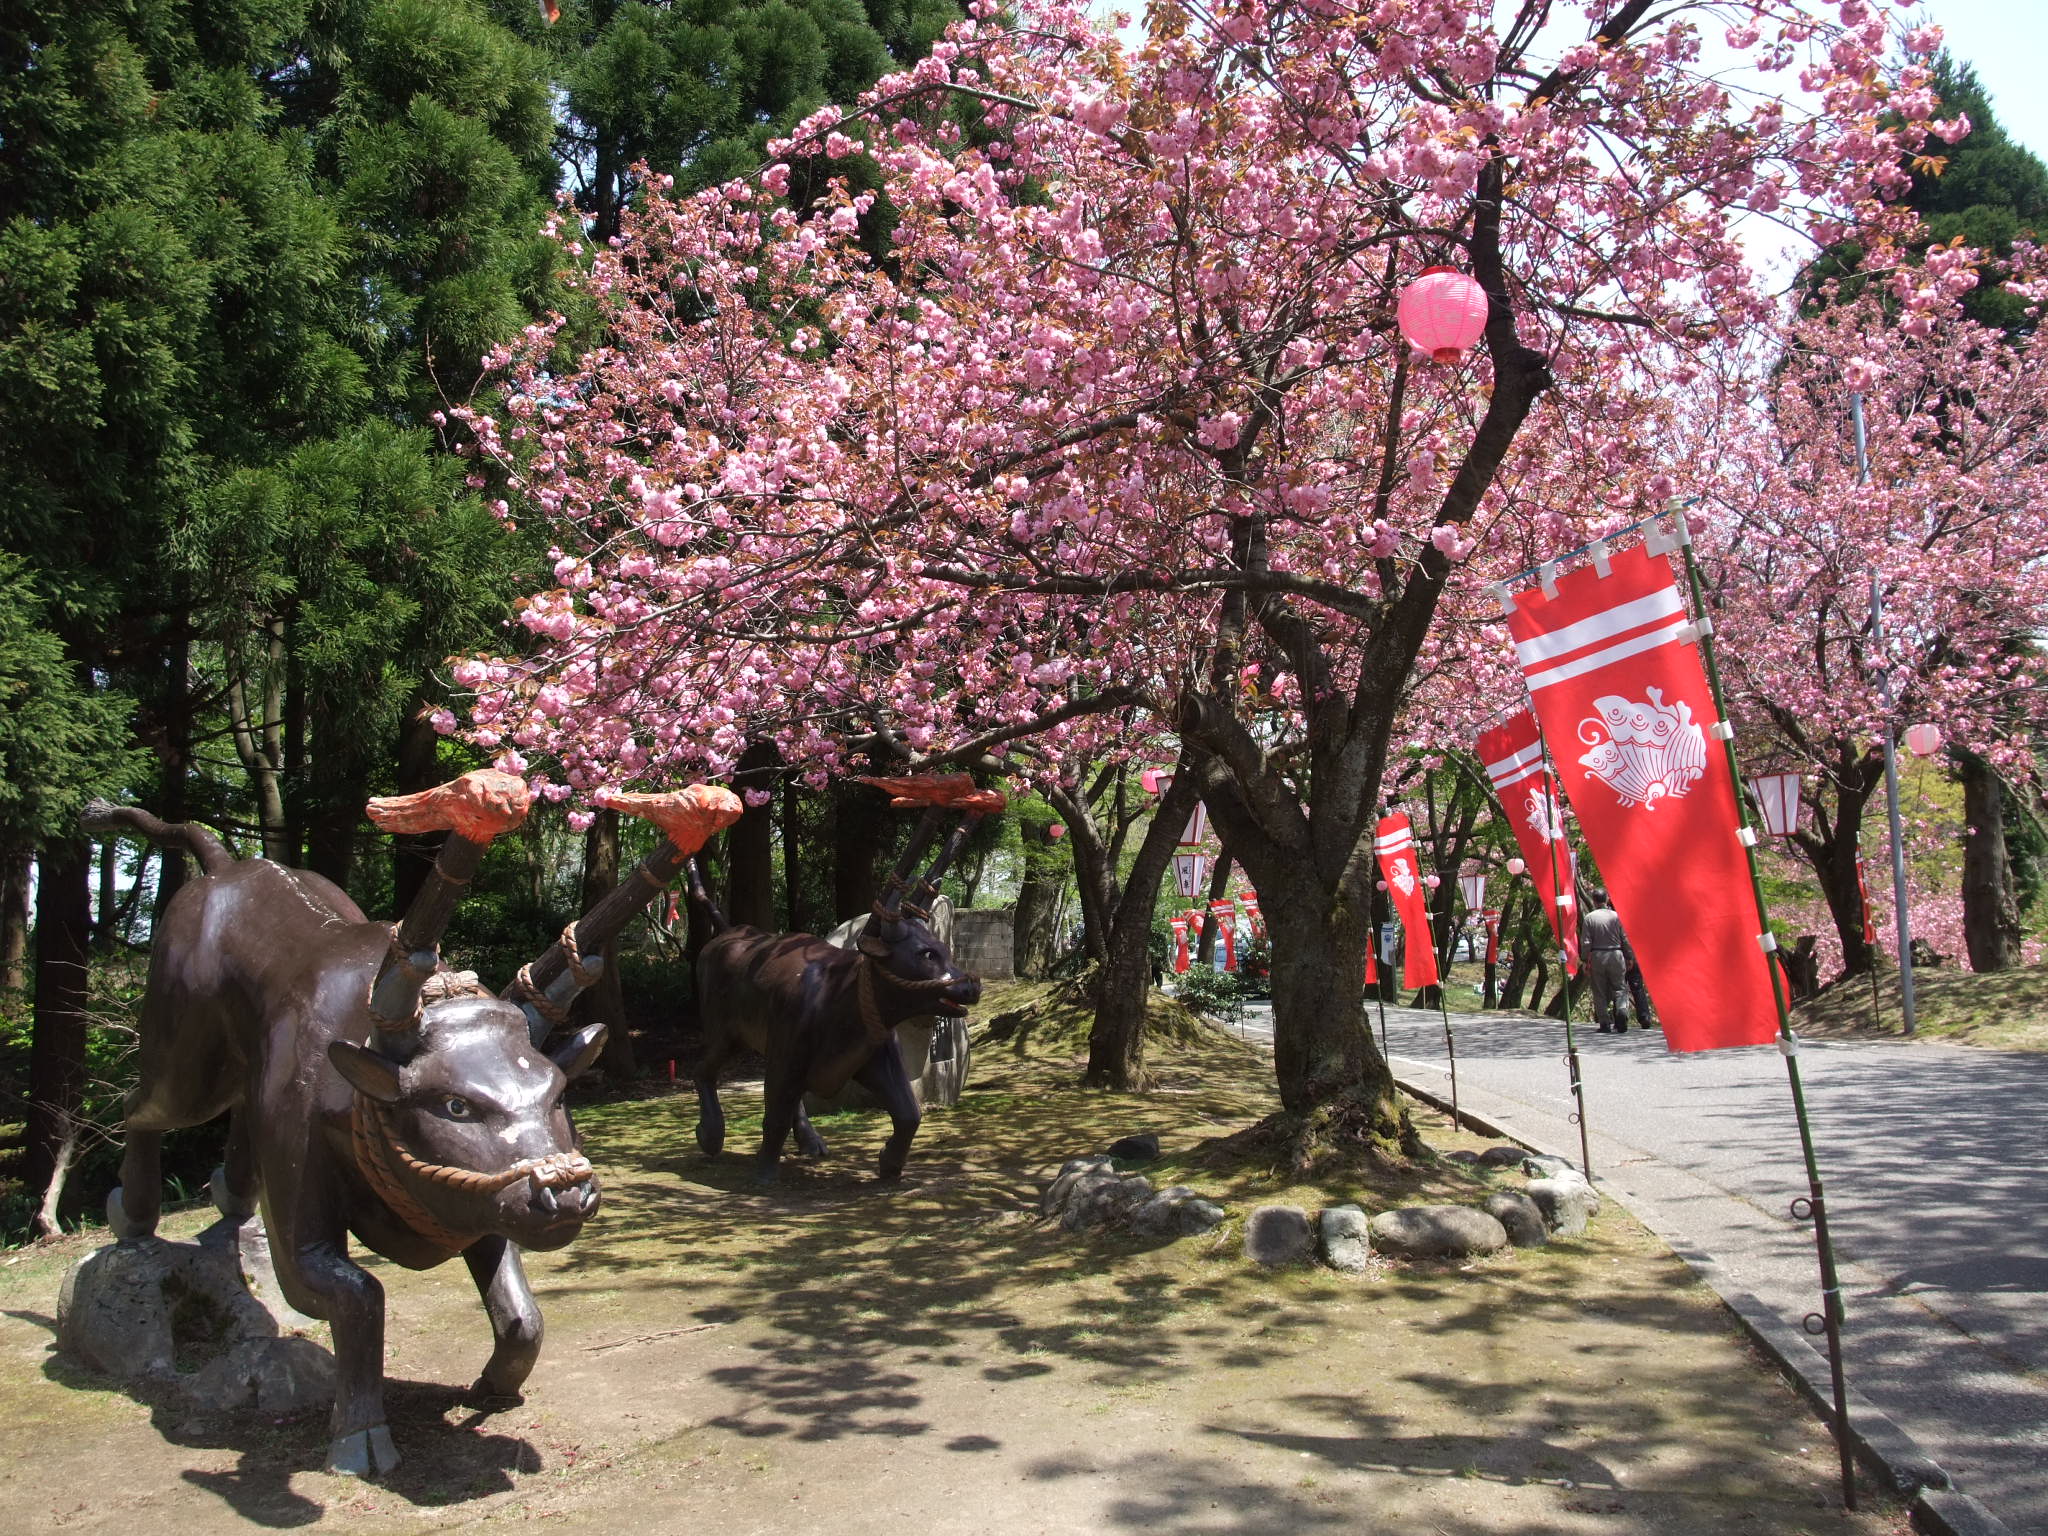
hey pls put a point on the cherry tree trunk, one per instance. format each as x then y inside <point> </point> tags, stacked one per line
<point>750,845</point>
<point>1219,882</point>
<point>1318,981</point>
<point>1991,910</point>
<point>1116,1042</point>
<point>858,825</point>
<point>1037,909</point>
<point>56,1063</point>
<point>606,1002</point>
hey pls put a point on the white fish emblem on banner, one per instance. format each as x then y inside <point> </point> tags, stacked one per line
<point>1403,875</point>
<point>1543,816</point>
<point>1644,752</point>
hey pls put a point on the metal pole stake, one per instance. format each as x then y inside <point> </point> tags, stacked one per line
<point>1831,1313</point>
<point>1891,760</point>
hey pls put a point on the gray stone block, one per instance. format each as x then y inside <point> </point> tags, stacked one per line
<point>1344,1236</point>
<point>1567,1203</point>
<point>1278,1234</point>
<point>1437,1232</point>
<point>1175,1211</point>
<point>1519,1215</point>
<point>1101,1199</point>
<point>1503,1157</point>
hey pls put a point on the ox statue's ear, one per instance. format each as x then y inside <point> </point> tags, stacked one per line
<point>366,1072</point>
<point>576,1054</point>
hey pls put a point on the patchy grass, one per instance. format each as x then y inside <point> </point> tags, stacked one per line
<point>1998,1010</point>
<point>840,1354</point>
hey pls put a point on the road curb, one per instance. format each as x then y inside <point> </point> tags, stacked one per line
<point>1885,1450</point>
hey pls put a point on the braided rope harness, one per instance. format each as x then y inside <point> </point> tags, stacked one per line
<point>386,1164</point>
<point>583,972</point>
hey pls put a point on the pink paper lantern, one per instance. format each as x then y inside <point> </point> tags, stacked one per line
<point>1056,831</point>
<point>1380,885</point>
<point>1516,866</point>
<point>1150,779</point>
<point>1923,740</point>
<point>1443,312</point>
<point>1432,881</point>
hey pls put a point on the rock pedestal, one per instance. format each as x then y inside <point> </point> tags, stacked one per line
<point>181,1316</point>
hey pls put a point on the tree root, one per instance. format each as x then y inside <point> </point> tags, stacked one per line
<point>1356,1127</point>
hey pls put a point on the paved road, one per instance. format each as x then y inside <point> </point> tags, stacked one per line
<point>1936,1167</point>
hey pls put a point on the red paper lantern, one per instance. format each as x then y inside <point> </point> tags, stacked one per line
<point>1923,740</point>
<point>1443,312</point>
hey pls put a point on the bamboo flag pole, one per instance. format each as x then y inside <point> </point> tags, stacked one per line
<point>1831,1315</point>
<point>1571,1049</point>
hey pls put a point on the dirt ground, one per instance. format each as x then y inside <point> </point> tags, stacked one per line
<point>836,1354</point>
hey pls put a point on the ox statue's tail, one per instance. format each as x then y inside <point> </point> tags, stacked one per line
<point>104,818</point>
<point>701,896</point>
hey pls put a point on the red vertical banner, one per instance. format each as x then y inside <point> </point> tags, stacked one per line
<point>1492,917</point>
<point>1395,846</point>
<point>1180,946</point>
<point>1615,675</point>
<point>1226,929</point>
<point>1863,896</point>
<point>1513,754</point>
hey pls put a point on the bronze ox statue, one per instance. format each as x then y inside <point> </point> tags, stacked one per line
<point>367,1091</point>
<point>820,1015</point>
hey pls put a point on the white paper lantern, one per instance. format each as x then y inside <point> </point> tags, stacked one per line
<point>1473,888</point>
<point>1516,866</point>
<point>1777,796</point>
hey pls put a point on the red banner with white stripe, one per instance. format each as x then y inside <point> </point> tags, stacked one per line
<point>1513,754</point>
<point>1180,946</point>
<point>1226,928</point>
<point>1863,899</point>
<point>1623,694</point>
<point>1395,846</point>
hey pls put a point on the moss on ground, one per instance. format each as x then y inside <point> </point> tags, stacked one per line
<point>1996,1010</point>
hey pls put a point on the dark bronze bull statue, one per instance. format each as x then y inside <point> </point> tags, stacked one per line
<point>368,1092</point>
<point>820,1015</point>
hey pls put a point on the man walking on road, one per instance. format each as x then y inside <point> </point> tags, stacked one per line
<point>1605,951</point>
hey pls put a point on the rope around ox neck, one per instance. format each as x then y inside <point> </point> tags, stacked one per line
<point>380,1155</point>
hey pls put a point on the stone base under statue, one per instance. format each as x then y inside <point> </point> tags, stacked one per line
<point>186,1318</point>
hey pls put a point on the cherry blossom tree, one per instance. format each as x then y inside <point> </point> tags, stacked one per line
<point>1952,527</point>
<point>1122,429</point>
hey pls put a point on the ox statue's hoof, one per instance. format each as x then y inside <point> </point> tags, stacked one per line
<point>366,1453</point>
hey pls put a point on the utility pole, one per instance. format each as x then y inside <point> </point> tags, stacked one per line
<point>1891,761</point>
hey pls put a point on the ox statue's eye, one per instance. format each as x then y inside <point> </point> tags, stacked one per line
<point>457,1108</point>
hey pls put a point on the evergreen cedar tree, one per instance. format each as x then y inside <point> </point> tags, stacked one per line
<point>1121,430</point>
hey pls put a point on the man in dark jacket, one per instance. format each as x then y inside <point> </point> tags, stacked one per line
<point>1604,951</point>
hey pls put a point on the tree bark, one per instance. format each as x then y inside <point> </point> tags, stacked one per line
<point>419,755</point>
<point>750,845</point>
<point>1094,870</point>
<point>174,757</point>
<point>606,1001</point>
<point>258,734</point>
<point>1219,882</point>
<point>792,857</point>
<point>1035,918</point>
<point>858,826</point>
<point>105,902</point>
<point>1991,911</point>
<point>56,1067</point>
<point>14,872</point>
<point>1831,846</point>
<point>1116,1042</point>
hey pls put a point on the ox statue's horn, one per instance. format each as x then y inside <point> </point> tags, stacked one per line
<point>937,793</point>
<point>473,810</point>
<point>688,819</point>
<point>984,802</point>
